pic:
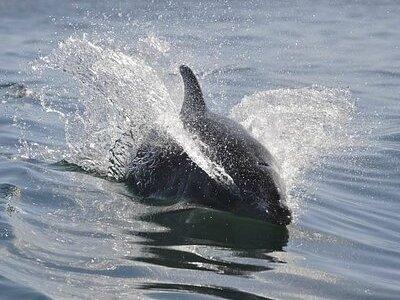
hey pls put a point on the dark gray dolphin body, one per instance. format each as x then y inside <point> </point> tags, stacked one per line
<point>160,167</point>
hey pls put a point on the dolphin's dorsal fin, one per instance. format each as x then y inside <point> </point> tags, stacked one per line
<point>193,102</point>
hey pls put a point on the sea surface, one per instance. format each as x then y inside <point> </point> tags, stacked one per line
<point>317,82</point>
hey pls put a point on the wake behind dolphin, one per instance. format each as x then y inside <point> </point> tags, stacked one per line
<point>161,168</point>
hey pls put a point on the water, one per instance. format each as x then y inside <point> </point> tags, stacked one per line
<point>317,83</point>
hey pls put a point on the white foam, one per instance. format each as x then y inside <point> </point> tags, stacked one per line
<point>300,127</point>
<point>119,94</point>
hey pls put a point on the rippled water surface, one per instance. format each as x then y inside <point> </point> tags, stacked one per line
<point>316,82</point>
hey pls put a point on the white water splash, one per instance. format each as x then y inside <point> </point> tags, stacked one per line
<point>119,94</point>
<point>300,127</point>
<point>153,42</point>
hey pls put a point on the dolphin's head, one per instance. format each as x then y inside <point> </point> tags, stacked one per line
<point>272,202</point>
<point>263,196</point>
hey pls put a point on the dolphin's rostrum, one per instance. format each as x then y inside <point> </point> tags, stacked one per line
<point>160,167</point>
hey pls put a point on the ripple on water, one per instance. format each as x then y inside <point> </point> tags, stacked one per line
<point>8,194</point>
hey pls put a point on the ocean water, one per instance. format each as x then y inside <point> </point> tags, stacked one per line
<point>316,82</point>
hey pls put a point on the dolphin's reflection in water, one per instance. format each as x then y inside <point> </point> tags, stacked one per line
<point>226,293</point>
<point>221,231</point>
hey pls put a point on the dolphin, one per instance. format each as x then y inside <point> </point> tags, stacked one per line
<point>160,168</point>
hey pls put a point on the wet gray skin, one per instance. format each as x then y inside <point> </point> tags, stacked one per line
<point>161,168</point>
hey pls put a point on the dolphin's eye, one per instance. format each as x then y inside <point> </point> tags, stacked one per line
<point>262,163</point>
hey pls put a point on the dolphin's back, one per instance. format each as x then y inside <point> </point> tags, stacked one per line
<point>160,168</point>
<point>241,155</point>
<point>232,138</point>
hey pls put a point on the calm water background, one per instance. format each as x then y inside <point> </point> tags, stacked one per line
<point>68,234</point>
